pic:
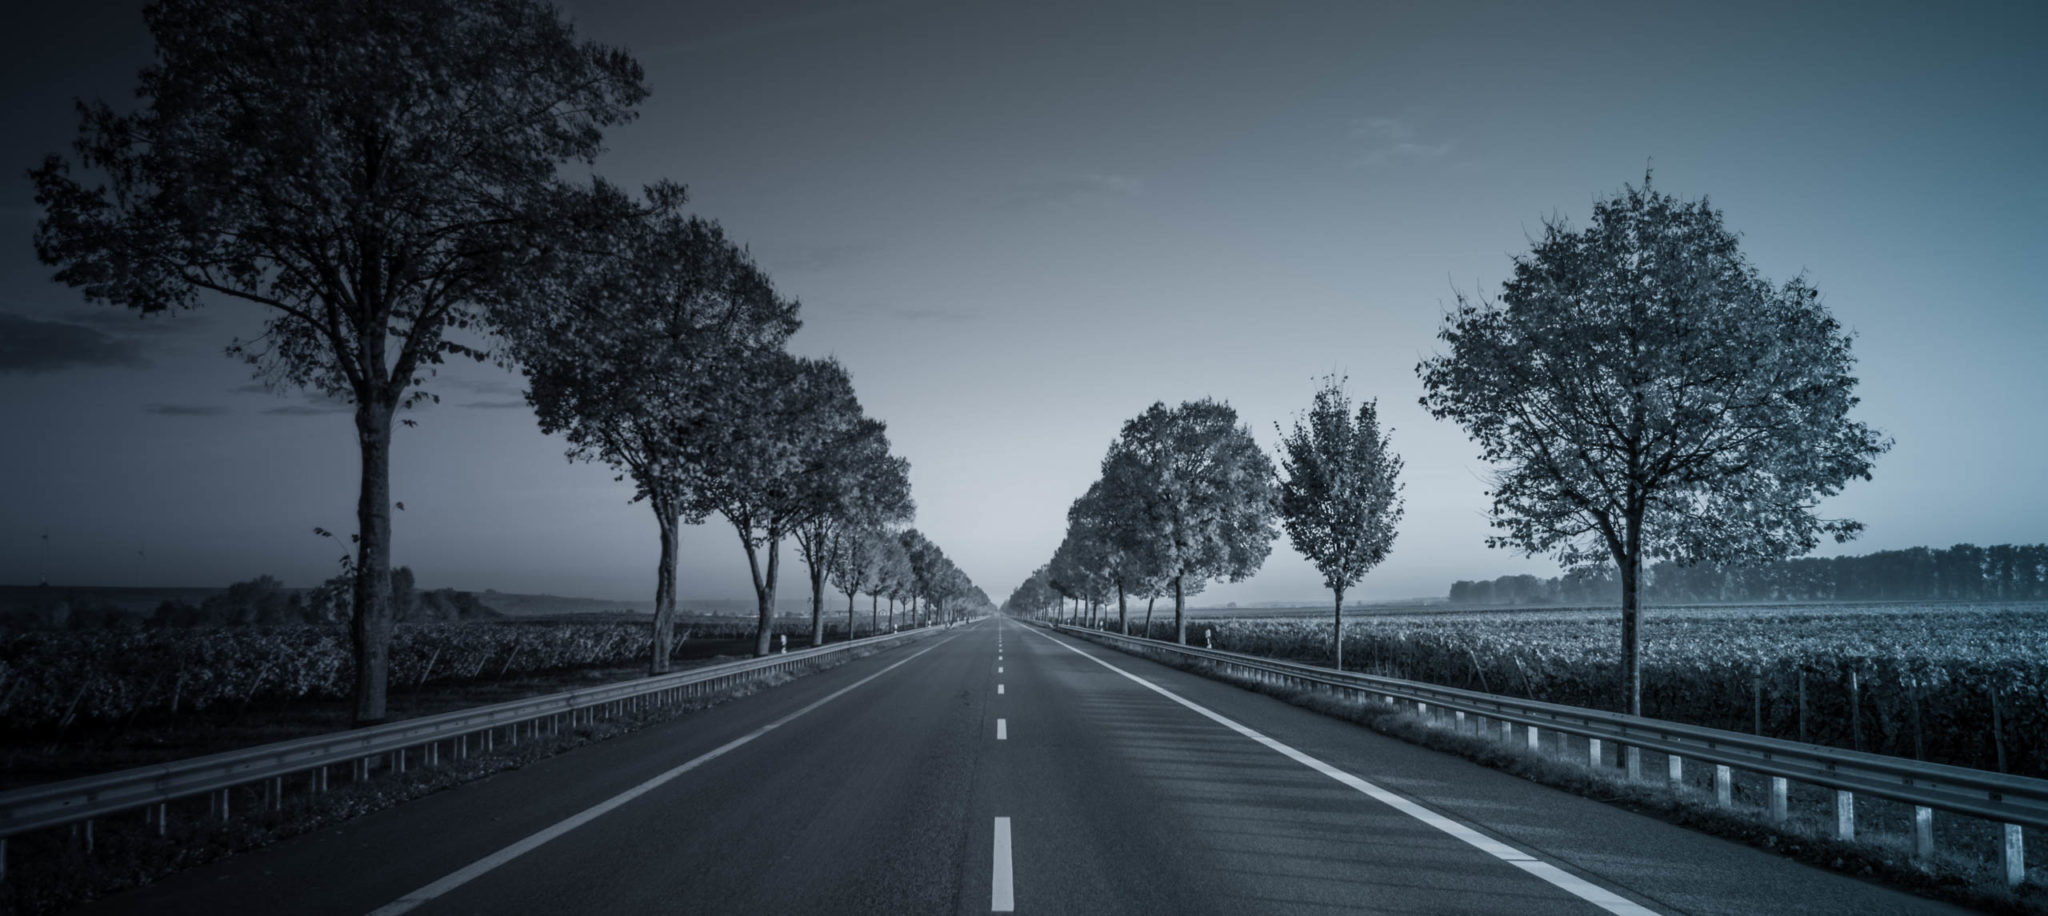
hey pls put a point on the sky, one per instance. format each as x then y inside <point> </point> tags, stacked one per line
<point>1018,225</point>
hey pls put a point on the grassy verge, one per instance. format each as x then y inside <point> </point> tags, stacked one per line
<point>52,870</point>
<point>1962,870</point>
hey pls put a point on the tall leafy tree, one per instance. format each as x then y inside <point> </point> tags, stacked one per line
<point>1644,392</point>
<point>857,485</point>
<point>364,171</point>
<point>1340,493</point>
<point>925,562</point>
<point>775,423</point>
<point>891,571</point>
<point>1202,491</point>
<point>623,347</point>
<point>857,570</point>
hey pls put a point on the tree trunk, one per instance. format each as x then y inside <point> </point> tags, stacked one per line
<point>1123,616</point>
<point>817,603</point>
<point>1180,620</point>
<point>1631,635</point>
<point>892,612</point>
<point>1340,628</point>
<point>1150,600</point>
<point>875,614</point>
<point>370,617</point>
<point>849,616</point>
<point>764,590</point>
<point>664,587</point>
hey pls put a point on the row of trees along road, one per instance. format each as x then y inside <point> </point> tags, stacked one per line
<point>396,184</point>
<point>1640,389</point>
<point>1186,497</point>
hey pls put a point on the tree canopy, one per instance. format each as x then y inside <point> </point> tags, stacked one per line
<point>1643,392</point>
<point>624,344</point>
<point>1340,496</point>
<point>1200,491</point>
<point>367,172</point>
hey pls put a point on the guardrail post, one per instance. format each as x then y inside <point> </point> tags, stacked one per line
<point>1635,762</point>
<point>1674,767</point>
<point>1845,815</point>
<point>1724,785</point>
<point>1535,743</point>
<point>1459,725</point>
<point>2015,855</point>
<point>1923,832</point>
<point>162,809</point>
<point>1778,808</point>
<point>1593,752</point>
<point>276,792</point>
<point>1507,731</point>
<point>88,836</point>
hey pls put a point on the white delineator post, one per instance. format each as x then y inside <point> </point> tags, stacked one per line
<point>2015,855</point>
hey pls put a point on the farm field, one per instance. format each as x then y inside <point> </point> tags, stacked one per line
<point>1963,684</point>
<point>76,703</point>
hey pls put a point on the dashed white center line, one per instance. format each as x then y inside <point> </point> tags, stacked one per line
<point>1002,729</point>
<point>999,669</point>
<point>1002,895</point>
<point>999,690</point>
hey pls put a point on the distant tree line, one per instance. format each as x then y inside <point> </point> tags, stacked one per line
<point>1964,572</point>
<point>259,602</point>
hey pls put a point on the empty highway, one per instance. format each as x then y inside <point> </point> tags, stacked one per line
<point>1002,769</point>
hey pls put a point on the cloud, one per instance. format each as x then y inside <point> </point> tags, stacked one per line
<point>128,322</point>
<point>813,258</point>
<point>185,410</point>
<point>499,386</point>
<point>1070,188</point>
<point>1385,140</point>
<point>912,313</point>
<point>315,403</point>
<point>492,405</point>
<point>308,410</point>
<point>29,346</point>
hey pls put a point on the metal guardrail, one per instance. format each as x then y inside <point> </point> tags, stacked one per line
<point>73,801</point>
<point>2017,802</point>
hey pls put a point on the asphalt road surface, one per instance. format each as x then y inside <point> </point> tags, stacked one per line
<point>1000,768</point>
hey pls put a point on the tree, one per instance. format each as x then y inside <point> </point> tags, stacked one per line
<point>364,171</point>
<point>1202,491</point>
<point>1341,497</point>
<point>857,569</point>
<point>776,421</point>
<point>924,558</point>
<point>1645,393</point>
<point>856,485</point>
<point>1103,520</point>
<point>891,571</point>
<point>620,345</point>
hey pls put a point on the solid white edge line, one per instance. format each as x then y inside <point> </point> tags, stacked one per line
<point>1563,880</point>
<point>999,690</point>
<point>1002,729</point>
<point>1002,894</point>
<point>481,866</point>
